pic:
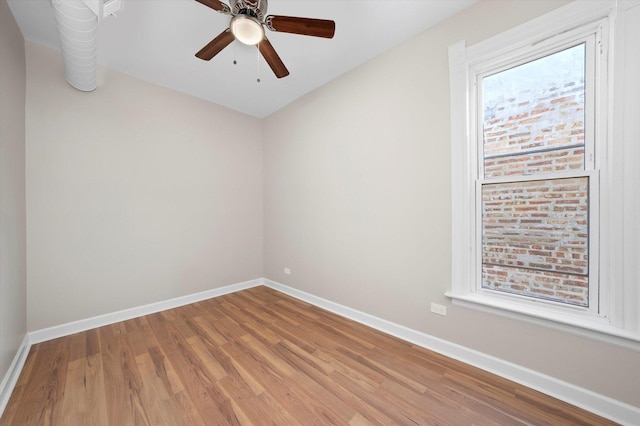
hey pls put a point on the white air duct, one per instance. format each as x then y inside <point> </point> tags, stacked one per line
<point>78,32</point>
<point>77,22</point>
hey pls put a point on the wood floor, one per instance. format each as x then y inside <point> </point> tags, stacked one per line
<point>261,357</point>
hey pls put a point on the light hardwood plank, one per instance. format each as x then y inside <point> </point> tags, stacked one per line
<point>261,357</point>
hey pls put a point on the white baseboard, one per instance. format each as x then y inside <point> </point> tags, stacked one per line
<point>11,377</point>
<point>604,406</point>
<point>38,336</point>
<point>127,314</point>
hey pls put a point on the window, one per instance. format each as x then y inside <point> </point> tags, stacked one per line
<point>534,190</point>
<point>537,198</point>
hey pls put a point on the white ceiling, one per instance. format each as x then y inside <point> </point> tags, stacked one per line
<point>156,40</point>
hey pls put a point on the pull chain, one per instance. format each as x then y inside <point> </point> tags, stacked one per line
<point>258,56</point>
<point>235,50</point>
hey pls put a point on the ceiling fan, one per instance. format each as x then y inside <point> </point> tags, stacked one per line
<point>247,26</point>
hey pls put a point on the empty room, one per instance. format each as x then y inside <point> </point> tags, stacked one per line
<point>358,212</point>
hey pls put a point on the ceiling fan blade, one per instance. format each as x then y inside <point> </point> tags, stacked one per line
<point>269,54</point>
<point>304,26</point>
<point>216,5</point>
<point>216,45</point>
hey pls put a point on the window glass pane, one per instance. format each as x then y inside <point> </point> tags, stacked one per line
<point>534,116</point>
<point>535,239</point>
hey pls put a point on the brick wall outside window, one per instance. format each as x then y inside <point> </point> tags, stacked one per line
<point>540,130</point>
<point>535,238</point>
<point>535,233</point>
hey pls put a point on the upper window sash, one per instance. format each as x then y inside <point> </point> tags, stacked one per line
<point>591,69</point>
<point>594,35</point>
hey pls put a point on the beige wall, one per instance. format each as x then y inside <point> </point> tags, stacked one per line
<point>135,194</point>
<point>13,280</point>
<point>357,204</point>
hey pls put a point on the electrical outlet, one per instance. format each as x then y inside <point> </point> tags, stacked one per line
<point>438,309</point>
<point>287,271</point>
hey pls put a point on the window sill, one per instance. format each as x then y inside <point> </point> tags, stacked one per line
<point>590,327</point>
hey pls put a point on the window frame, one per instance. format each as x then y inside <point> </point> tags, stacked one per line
<point>591,37</point>
<point>541,36</point>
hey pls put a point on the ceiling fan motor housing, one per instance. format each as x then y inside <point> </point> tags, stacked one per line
<point>255,8</point>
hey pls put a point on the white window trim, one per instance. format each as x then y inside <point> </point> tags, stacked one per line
<point>595,36</point>
<point>619,270</point>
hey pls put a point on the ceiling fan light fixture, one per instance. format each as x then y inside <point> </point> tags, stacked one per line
<point>247,29</point>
